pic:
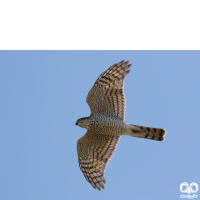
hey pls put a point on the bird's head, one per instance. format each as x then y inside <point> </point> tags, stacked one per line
<point>83,122</point>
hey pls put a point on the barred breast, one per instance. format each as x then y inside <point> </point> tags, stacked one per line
<point>107,125</point>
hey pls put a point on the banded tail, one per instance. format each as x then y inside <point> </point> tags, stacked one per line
<point>147,132</point>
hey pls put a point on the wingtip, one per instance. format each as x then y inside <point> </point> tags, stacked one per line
<point>119,63</point>
<point>98,186</point>
<point>124,62</point>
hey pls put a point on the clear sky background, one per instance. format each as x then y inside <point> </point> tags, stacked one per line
<point>43,93</point>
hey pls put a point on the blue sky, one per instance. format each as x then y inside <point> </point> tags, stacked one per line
<point>43,93</point>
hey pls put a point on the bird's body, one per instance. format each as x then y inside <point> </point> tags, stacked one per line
<point>106,124</point>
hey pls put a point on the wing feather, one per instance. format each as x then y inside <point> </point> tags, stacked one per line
<point>107,94</point>
<point>94,152</point>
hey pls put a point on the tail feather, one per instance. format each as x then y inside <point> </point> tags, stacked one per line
<point>147,132</point>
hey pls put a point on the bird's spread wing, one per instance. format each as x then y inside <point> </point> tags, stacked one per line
<point>94,152</point>
<point>107,94</point>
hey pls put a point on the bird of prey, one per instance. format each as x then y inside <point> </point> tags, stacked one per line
<point>106,124</point>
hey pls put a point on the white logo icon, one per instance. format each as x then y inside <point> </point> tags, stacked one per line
<point>192,188</point>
